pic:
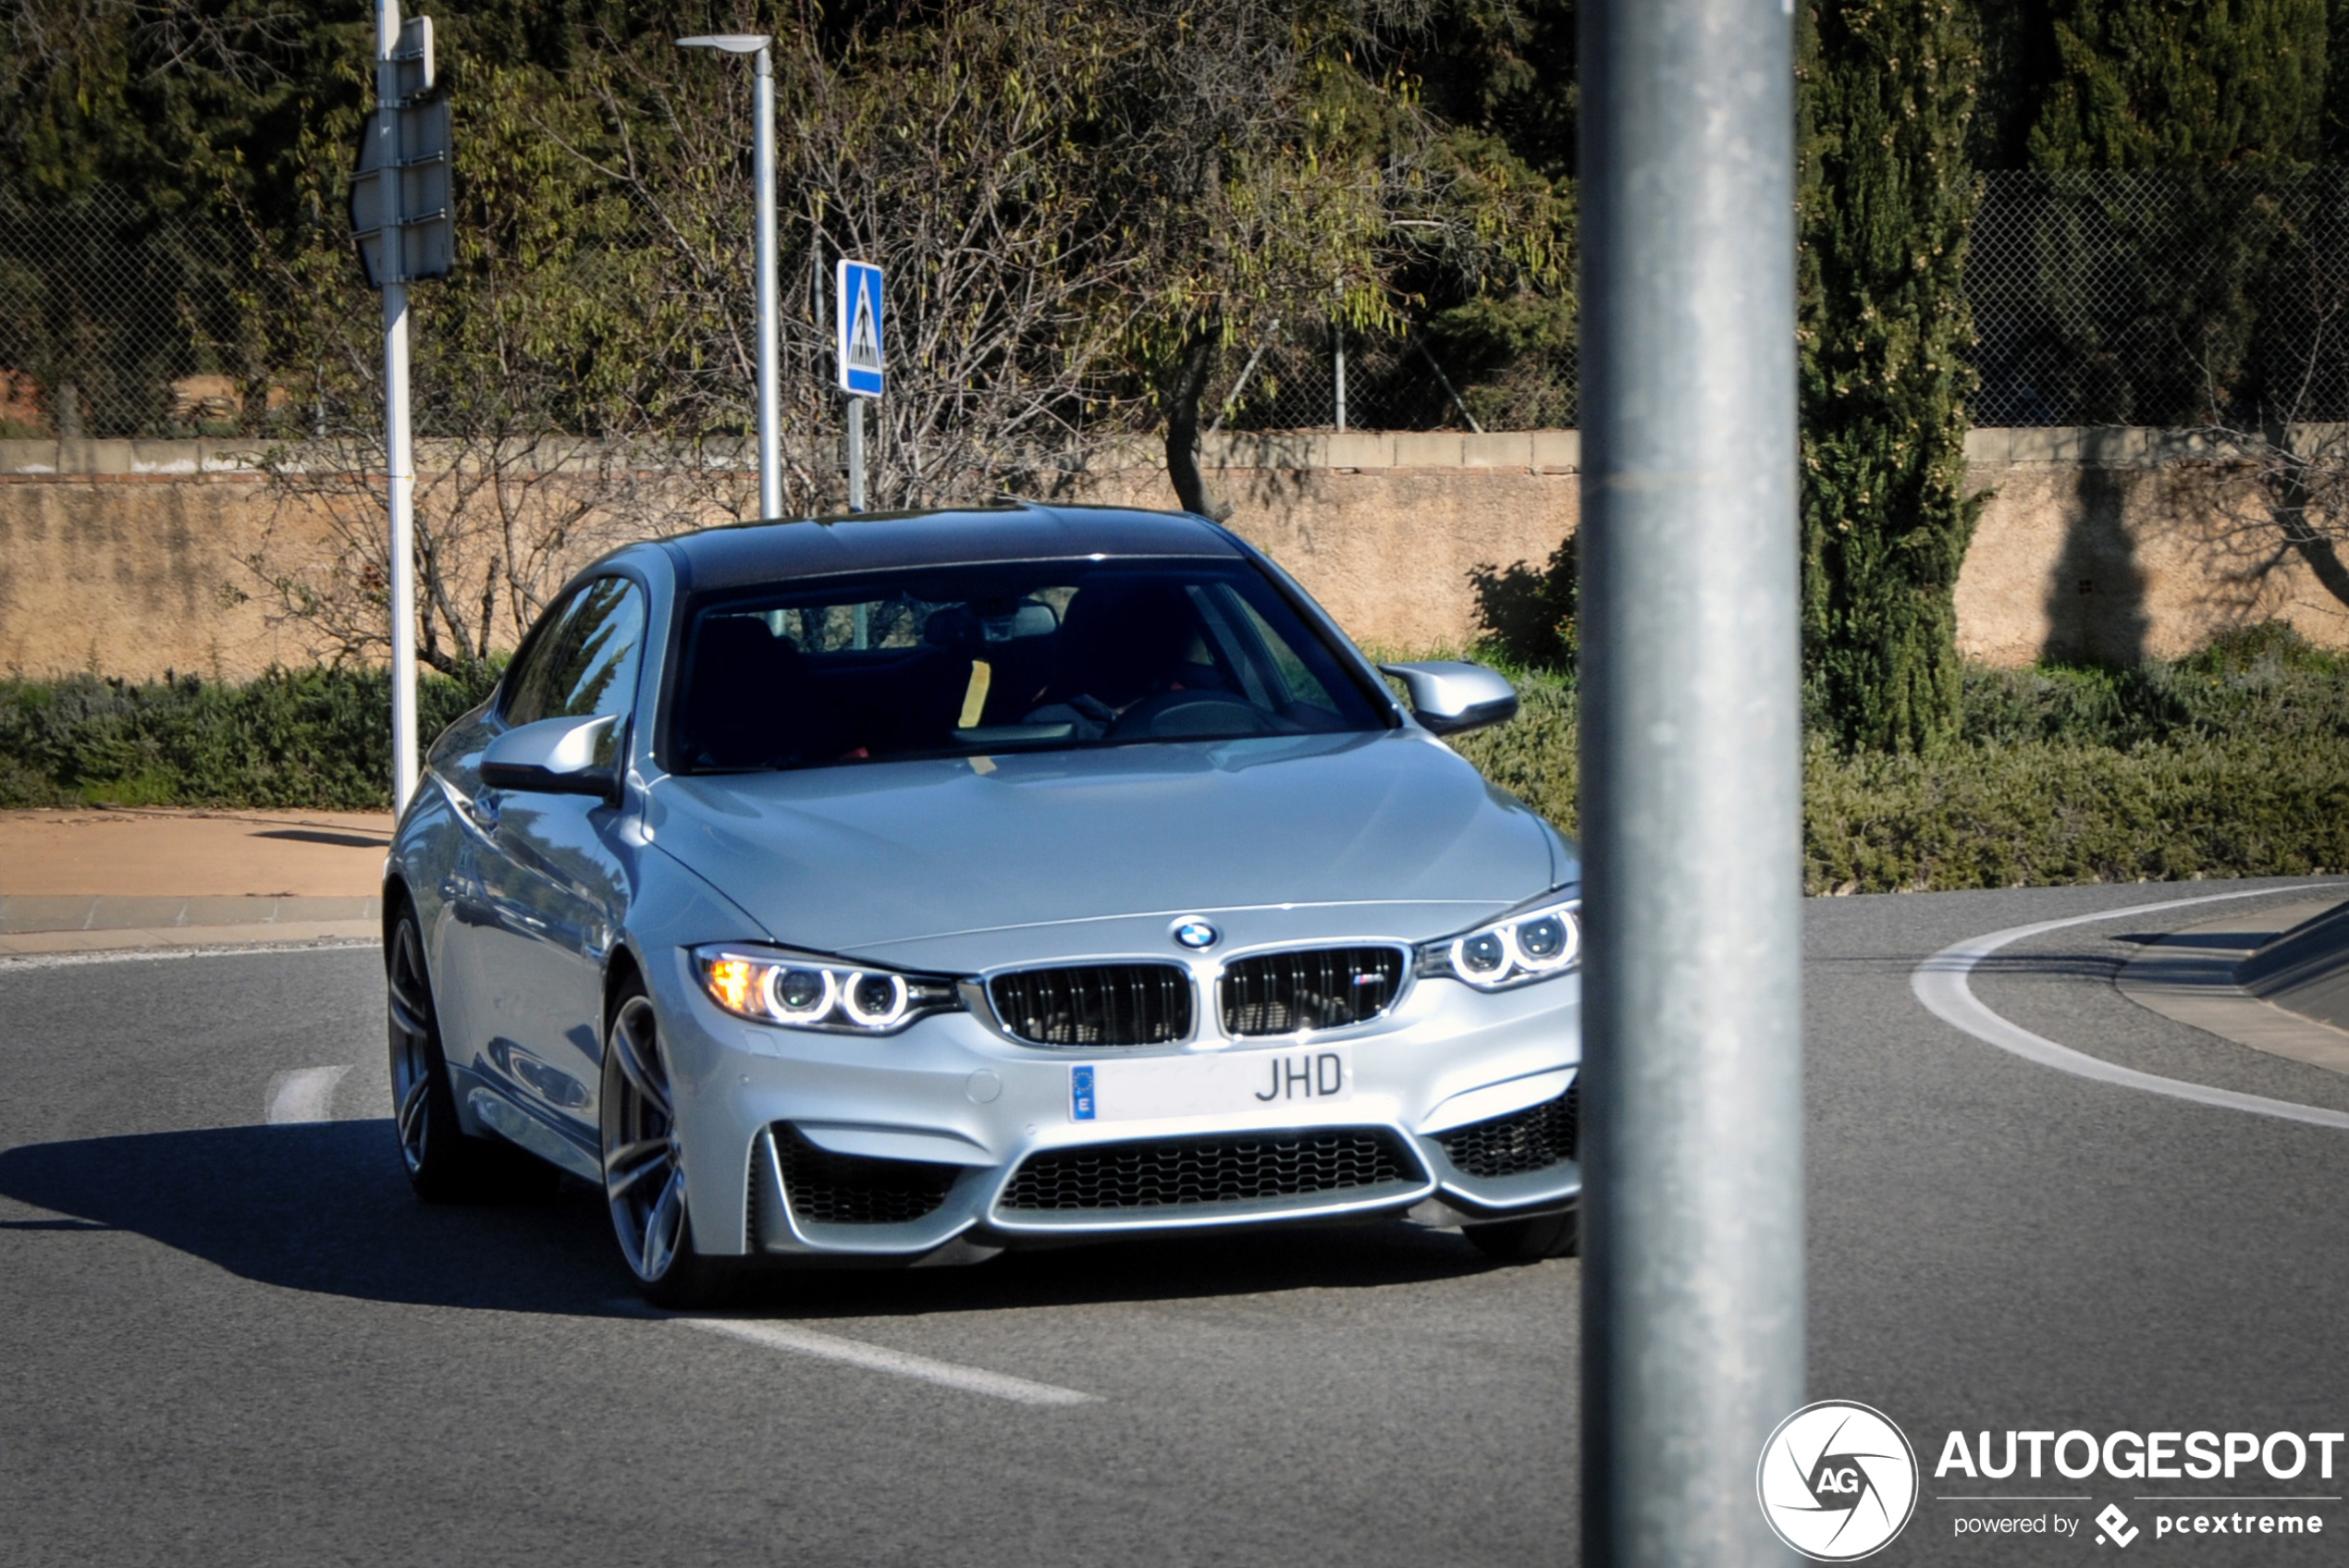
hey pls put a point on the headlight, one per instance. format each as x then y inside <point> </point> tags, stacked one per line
<point>1532,944</point>
<point>805,992</point>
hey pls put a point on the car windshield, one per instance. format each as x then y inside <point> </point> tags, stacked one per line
<point>965,660</point>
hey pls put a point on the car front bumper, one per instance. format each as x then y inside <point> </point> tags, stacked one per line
<point>911,1148</point>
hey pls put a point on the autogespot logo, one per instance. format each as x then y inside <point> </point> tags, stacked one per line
<point>1836,1482</point>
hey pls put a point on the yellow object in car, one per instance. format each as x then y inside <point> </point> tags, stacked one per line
<point>975,695</point>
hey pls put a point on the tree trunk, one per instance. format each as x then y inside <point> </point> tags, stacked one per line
<point>1180,390</point>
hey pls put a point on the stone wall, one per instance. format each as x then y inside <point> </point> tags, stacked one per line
<point>2118,544</point>
<point>135,557</point>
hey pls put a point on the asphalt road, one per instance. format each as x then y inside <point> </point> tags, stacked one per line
<point>223,1341</point>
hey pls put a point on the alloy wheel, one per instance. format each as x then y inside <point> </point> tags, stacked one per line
<point>644,1168</point>
<point>414,1058</point>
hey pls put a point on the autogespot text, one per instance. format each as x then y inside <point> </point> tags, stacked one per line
<point>2149,1456</point>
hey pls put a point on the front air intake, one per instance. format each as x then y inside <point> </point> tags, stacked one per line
<point>1102,1004</point>
<point>1548,1134</point>
<point>1200,1173</point>
<point>1311,988</point>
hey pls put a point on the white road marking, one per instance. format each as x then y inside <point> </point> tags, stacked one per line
<point>305,1095</point>
<point>1940,983</point>
<point>874,1358</point>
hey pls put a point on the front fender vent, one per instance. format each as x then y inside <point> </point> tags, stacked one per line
<point>824,1188</point>
<point>1102,1004</point>
<point>1311,988</point>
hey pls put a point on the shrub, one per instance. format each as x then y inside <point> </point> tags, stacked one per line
<point>2233,762</point>
<point>319,739</point>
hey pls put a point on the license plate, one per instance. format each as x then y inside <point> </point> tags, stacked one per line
<point>1218,1084</point>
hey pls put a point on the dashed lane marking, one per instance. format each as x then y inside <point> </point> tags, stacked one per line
<point>797,1340</point>
<point>304,1095</point>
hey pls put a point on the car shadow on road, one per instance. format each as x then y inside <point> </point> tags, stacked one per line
<point>324,1206</point>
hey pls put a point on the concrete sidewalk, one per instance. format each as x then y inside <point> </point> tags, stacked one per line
<point>83,880</point>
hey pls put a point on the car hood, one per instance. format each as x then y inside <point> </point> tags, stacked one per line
<point>966,862</point>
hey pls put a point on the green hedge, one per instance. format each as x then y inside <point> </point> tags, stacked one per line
<point>2232,762</point>
<point>316,739</point>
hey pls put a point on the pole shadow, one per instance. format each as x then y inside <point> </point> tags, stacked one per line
<point>2095,599</point>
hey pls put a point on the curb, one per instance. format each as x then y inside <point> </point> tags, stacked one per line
<point>276,933</point>
<point>81,923</point>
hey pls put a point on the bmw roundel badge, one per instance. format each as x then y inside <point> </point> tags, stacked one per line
<point>1196,933</point>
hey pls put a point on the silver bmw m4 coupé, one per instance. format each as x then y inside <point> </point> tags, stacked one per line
<point>902,889</point>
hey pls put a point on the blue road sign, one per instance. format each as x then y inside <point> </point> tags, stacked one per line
<point>857,323</point>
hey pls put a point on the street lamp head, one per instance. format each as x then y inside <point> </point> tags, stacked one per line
<point>727,43</point>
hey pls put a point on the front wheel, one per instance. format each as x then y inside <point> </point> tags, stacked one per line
<point>644,1162</point>
<point>1527,1241</point>
<point>443,1165</point>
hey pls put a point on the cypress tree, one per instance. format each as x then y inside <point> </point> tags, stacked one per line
<point>1887,90</point>
<point>2227,99</point>
<point>2333,138</point>
<point>2183,84</point>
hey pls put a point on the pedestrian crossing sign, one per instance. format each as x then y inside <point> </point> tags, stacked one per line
<point>857,323</point>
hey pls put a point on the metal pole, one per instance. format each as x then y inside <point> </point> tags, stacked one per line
<point>1446,381</point>
<point>400,463</point>
<point>1338,340</point>
<point>1692,1288</point>
<point>1232,400</point>
<point>770,450</point>
<point>855,454</point>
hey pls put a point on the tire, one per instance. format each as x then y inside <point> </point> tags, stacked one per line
<point>443,1164</point>
<point>1529,1241</point>
<point>644,1170</point>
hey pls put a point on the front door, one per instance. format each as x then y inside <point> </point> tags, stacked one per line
<point>555,879</point>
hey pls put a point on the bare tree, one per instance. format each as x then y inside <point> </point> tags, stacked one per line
<point>2281,476</point>
<point>1079,209</point>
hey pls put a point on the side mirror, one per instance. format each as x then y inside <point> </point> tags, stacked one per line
<point>557,756</point>
<point>1449,696</point>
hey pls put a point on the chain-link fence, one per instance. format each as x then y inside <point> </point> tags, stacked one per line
<point>1324,377</point>
<point>2160,299</point>
<point>2167,299</point>
<point>115,320</point>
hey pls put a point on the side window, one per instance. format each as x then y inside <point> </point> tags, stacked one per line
<point>582,664</point>
<point>1304,686</point>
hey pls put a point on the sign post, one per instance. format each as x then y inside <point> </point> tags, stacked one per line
<point>400,216</point>
<point>857,332</point>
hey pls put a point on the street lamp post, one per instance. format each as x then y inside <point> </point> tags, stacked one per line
<point>1692,1293</point>
<point>771,457</point>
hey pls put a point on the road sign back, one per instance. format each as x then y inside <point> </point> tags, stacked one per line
<point>400,197</point>
<point>857,289</point>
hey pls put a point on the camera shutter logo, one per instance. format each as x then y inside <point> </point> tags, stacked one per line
<point>1836,1482</point>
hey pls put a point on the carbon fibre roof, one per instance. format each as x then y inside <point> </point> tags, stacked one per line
<point>744,554</point>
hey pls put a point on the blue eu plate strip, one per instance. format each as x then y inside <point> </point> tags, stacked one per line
<point>1080,1093</point>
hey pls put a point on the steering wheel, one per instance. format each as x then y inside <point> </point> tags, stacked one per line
<point>1176,715</point>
